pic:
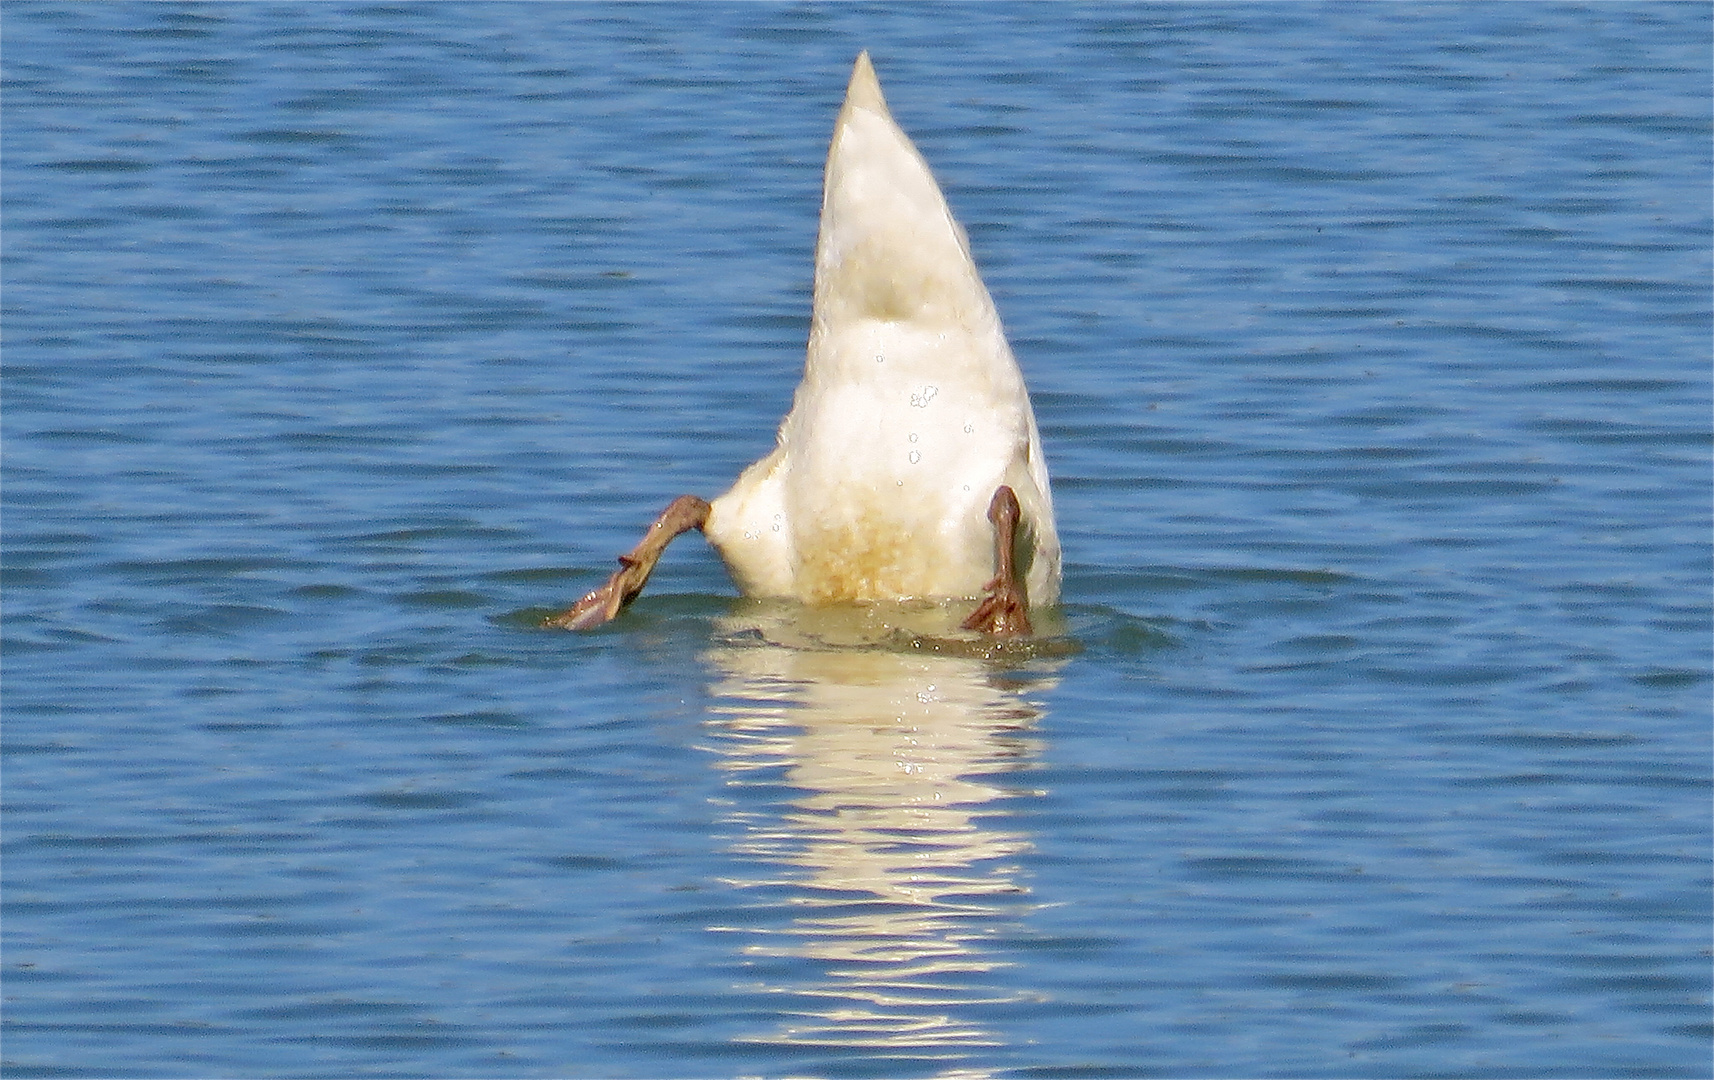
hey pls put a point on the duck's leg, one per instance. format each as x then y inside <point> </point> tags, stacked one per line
<point>1004,611</point>
<point>684,513</point>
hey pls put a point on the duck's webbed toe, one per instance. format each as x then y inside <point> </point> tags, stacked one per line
<point>1002,613</point>
<point>600,606</point>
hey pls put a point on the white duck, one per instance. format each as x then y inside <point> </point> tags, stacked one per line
<point>909,466</point>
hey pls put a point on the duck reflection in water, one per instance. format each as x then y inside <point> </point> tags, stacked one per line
<point>891,850</point>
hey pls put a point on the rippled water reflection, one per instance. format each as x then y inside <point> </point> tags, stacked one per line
<point>894,865</point>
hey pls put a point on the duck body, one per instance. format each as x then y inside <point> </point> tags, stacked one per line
<point>912,410</point>
<point>911,426</point>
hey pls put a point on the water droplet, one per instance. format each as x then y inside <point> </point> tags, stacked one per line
<point>915,457</point>
<point>968,428</point>
<point>913,436</point>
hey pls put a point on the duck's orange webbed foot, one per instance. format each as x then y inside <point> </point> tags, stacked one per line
<point>684,513</point>
<point>1005,611</point>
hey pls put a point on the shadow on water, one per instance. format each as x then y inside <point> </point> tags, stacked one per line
<point>876,739</point>
<point>915,629</point>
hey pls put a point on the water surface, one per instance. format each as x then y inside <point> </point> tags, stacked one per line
<point>1370,345</point>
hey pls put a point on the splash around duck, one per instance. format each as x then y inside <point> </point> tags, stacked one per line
<point>910,466</point>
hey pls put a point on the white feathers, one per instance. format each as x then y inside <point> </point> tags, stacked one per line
<point>911,411</point>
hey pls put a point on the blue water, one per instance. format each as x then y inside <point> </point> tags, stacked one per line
<point>1370,345</point>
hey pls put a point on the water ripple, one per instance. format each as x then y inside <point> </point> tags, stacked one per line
<point>1370,349</point>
